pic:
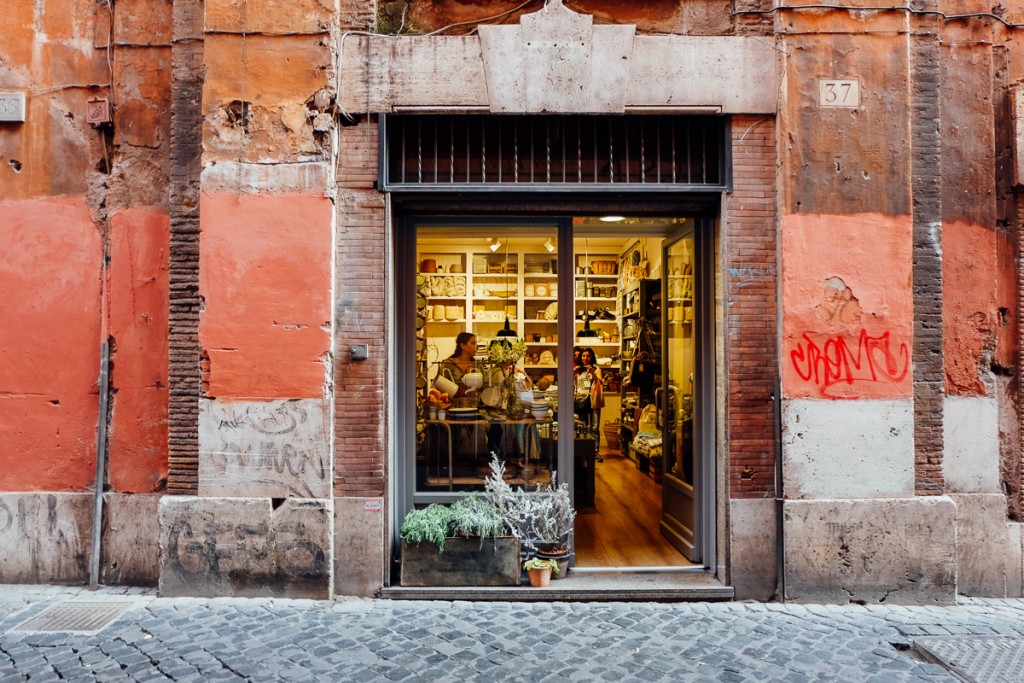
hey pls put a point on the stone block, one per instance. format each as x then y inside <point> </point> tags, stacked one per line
<point>264,449</point>
<point>231,176</point>
<point>245,547</point>
<point>847,449</point>
<point>970,432</point>
<point>981,544</point>
<point>1014,561</point>
<point>131,530</point>
<point>753,558</point>
<point>359,527</point>
<point>897,551</point>
<point>46,537</point>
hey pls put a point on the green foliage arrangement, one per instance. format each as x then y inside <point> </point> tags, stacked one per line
<point>469,516</point>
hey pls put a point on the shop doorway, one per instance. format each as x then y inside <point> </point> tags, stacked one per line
<point>622,290</point>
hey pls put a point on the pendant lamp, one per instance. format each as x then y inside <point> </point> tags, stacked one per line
<point>586,332</point>
<point>506,333</point>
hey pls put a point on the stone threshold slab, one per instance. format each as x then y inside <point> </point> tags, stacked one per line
<point>585,587</point>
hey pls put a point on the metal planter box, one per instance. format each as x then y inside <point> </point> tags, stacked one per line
<point>464,562</point>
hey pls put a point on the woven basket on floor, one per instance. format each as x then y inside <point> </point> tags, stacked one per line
<point>611,435</point>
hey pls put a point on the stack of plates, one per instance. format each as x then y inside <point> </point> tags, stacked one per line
<point>463,413</point>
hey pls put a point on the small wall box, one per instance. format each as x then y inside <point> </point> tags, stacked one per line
<point>12,107</point>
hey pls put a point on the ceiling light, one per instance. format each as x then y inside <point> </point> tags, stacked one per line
<point>612,219</point>
<point>549,246</point>
<point>496,246</point>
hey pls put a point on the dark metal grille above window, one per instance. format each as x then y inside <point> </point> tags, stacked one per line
<point>556,153</point>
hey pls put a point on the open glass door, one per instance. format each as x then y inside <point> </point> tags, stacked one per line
<point>676,399</point>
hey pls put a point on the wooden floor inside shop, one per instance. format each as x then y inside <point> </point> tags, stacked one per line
<point>622,528</point>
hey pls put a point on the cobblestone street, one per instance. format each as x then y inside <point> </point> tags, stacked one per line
<point>183,639</point>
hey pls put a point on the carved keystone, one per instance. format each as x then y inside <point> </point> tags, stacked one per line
<point>557,61</point>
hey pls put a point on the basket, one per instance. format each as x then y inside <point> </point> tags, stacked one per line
<point>466,402</point>
<point>612,435</point>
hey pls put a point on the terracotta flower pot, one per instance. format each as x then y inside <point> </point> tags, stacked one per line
<point>540,577</point>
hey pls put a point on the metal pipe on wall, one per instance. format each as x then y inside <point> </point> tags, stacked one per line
<point>101,466</point>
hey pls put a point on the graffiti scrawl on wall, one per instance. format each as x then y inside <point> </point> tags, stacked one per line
<point>835,362</point>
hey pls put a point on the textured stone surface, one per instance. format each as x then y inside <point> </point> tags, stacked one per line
<point>186,639</point>
<point>45,537</point>
<point>847,449</point>
<point>264,449</point>
<point>982,541</point>
<point>897,551</point>
<point>753,548</point>
<point>970,462</point>
<point>736,74</point>
<point>359,552</point>
<point>245,547</point>
<point>131,534</point>
<point>557,61</point>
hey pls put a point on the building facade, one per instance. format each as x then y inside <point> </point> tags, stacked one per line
<point>213,206</point>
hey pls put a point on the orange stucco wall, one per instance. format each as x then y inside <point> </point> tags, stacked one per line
<point>970,301</point>
<point>265,278</point>
<point>49,343</point>
<point>847,319</point>
<point>138,323</point>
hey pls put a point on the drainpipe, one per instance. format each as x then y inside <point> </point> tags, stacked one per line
<point>780,541</point>
<point>101,432</point>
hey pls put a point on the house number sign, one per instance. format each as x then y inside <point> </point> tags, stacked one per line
<point>837,93</point>
<point>12,106</point>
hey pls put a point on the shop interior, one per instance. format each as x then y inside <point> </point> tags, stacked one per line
<point>487,357</point>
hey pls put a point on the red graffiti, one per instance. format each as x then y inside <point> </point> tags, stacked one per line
<point>875,360</point>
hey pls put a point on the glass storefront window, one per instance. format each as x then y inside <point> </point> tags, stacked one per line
<point>487,354</point>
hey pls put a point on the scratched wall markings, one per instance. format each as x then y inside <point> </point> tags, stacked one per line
<point>275,448</point>
<point>748,276</point>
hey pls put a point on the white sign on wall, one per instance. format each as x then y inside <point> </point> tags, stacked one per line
<point>838,93</point>
<point>12,106</point>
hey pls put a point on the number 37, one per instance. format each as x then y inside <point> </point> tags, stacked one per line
<point>833,93</point>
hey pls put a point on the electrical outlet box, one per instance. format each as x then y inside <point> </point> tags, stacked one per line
<point>12,106</point>
<point>360,351</point>
<point>97,111</point>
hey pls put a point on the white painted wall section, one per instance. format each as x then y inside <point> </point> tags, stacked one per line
<point>970,460</point>
<point>847,449</point>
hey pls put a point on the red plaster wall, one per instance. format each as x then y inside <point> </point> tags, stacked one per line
<point>138,323</point>
<point>833,347</point>
<point>49,343</point>
<point>265,277</point>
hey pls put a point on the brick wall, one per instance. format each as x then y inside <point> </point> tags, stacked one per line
<point>362,286</point>
<point>751,310</point>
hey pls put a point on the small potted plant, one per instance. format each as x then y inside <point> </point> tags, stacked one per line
<point>540,571</point>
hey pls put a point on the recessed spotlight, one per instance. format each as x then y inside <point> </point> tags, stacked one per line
<point>612,219</point>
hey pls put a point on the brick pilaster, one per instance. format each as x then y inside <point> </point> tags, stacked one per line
<point>183,343</point>
<point>926,188</point>
<point>751,315</point>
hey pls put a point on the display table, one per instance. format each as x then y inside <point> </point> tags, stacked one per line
<point>525,431</point>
